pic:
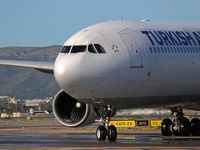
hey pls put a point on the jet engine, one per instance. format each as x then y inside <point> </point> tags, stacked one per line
<point>72,113</point>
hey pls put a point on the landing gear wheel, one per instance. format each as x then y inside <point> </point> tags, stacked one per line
<point>165,127</point>
<point>176,133</point>
<point>195,127</point>
<point>184,126</point>
<point>101,133</point>
<point>112,133</point>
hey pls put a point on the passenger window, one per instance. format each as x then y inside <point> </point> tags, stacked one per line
<point>196,49</point>
<point>181,50</point>
<point>162,50</point>
<point>187,50</point>
<point>150,49</point>
<point>99,48</point>
<point>175,49</point>
<point>178,50</point>
<point>65,49</point>
<point>171,49</point>
<point>168,49</point>
<point>91,49</point>
<point>165,49</point>
<point>154,50</point>
<point>184,51</point>
<point>158,49</point>
<point>193,49</point>
<point>78,49</point>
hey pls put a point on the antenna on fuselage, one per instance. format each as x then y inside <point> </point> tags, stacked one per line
<point>121,17</point>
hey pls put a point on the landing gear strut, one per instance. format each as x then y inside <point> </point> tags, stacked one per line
<point>180,126</point>
<point>105,130</point>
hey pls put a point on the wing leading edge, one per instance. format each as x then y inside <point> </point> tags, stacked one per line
<point>46,67</point>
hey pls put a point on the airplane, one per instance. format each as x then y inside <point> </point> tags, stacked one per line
<point>126,64</point>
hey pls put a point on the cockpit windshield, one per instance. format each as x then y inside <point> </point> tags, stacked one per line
<point>92,48</point>
<point>99,48</point>
<point>65,49</point>
<point>79,49</point>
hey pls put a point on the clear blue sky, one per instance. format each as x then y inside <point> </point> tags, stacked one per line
<point>52,22</point>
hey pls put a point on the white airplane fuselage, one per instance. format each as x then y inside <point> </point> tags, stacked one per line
<point>144,64</point>
<point>126,64</point>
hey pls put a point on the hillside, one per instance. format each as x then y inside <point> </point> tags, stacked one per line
<point>25,83</point>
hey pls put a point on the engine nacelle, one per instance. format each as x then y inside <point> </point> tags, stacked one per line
<point>71,112</point>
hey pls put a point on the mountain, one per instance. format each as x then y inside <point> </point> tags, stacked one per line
<point>25,83</point>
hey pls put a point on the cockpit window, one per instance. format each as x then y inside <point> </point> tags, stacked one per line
<point>91,49</point>
<point>99,48</point>
<point>65,49</point>
<point>78,49</point>
<point>82,48</point>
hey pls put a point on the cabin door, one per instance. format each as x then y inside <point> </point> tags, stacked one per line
<point>134,51</point>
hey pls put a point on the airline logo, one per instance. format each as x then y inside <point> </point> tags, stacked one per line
<point>173,38</point>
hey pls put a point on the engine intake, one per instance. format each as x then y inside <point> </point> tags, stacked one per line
<point>70,112</point>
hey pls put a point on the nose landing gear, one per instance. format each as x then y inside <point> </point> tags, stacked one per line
<point>105,130</point>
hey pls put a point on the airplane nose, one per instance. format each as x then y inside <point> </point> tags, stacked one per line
<point>67,71</point>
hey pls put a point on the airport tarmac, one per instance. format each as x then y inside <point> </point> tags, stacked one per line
<point>40,135</point>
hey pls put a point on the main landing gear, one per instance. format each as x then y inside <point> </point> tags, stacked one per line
<point>105,130</point>
<point>180,126</point>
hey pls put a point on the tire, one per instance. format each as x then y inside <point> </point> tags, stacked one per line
<point>176,133</point>
<point>165,127</point>
<point>101,133</point>
<point>184,127</point>
<point>195,127</point>
<point>112,133</point>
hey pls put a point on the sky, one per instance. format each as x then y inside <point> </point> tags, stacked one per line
<point>39,23</point>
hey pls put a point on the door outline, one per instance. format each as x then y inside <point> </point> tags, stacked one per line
<point>133,49</point>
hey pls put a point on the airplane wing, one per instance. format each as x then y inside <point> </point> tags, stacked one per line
<point>46,67</point>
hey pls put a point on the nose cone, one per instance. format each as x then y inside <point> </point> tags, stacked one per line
<point>67,71</point>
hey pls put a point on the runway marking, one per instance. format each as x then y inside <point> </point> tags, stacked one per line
<point>110,148</point>
<point>56,137</point>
